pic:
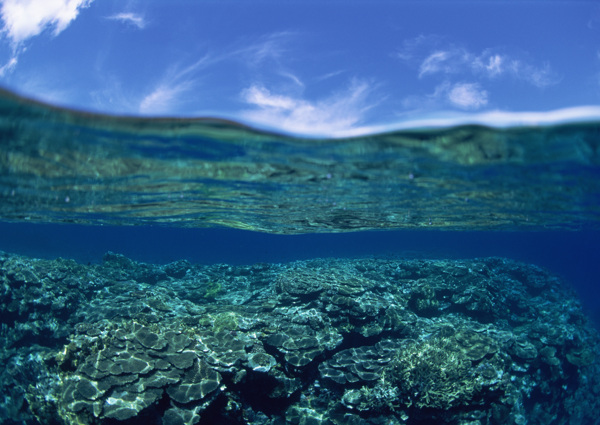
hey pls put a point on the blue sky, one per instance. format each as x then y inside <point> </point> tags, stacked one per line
<point>314,67</point>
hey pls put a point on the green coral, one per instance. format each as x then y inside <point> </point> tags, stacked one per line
<point>434,373</point>
<point>228,321</point>
<point>382,398</point>
<point>213,290</point>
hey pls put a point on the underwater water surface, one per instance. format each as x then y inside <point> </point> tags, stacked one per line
<point>183,271</point>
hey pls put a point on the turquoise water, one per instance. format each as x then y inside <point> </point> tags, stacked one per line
<point>61,166</point>
<point>171,271</point>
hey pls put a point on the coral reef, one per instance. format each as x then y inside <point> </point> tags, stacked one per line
<point>326,341</point>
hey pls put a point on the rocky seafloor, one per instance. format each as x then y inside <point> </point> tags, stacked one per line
<point>325,341</point>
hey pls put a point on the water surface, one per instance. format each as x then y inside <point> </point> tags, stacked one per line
<point>61,166</point>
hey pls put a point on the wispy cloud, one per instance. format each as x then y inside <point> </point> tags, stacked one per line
<point>9,66</point>
<point>435,55</point>
<point>267,47</point>
<point>112,96</point>
<point>129,19</point>
<point>339,114</point>
<point>164,98</point>
<point>468,96</point>
<point>443,61</point>
<point>330,75</point>
<point>488,64</point>
<point>412,48</point>
<point>173,89</point>
<point>492,64</point>
<point>435,58</point>
<point>176,89</point>
<point>292,77</point>
<point>462,95</point>
<point>45,87</point>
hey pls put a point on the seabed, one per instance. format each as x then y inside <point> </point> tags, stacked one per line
<point>324,341</point>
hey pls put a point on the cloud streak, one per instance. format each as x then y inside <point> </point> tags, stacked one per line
<point>9,66</point>
<point>177,83</point>
<point>129,19</point>
<point>435,58</point>
<point>163,98</point>
<point>340,114</point>
<point>433,55</point>
<point>441,62</point>
<point>488,64</point>
<point>269,47</point>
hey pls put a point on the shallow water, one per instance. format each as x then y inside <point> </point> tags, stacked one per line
<point>61,166</point>
<point>212,216</point>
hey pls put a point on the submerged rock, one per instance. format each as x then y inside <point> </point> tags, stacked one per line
<point>326,341</point>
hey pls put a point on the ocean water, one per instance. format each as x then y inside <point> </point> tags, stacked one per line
<point>177,271</point>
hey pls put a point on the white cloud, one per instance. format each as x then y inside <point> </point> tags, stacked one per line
<point>174,88</point>
<point>329,75</point>
<point>162,99</point>
<point>443,61</point>
<point>433,63</point>
<point>461,95</point>
<point>455,61</point>
<point>539,77</point>
<point>24,19</point>
<point>9,66</point>
<point>261,97</point>
<point>337,115</point>
<point>489,64</point>
<point>292,77</point>
<point>468,96</point>
<point>129,18</point>
<point>412,47</point>
<point>268,47</point>
<point>494,65</point>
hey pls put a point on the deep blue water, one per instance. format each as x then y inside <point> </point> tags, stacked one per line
<point>573,255</point>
